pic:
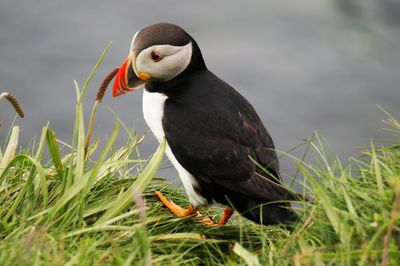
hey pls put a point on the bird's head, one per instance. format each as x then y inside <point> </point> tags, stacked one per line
<point>158,53</point>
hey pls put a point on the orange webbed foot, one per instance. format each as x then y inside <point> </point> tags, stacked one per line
<point>190,210</point>
<point>182,212</point>
<point>176,209</point>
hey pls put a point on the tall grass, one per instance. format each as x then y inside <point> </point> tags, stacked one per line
<point>74,209</point>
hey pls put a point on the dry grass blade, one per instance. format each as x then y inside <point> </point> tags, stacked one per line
<point>141,234</point>
<point>14,102</point>
<point>10,150</point>
<point>247,256</point>
<point>296,235</point>
<point>105,83</point>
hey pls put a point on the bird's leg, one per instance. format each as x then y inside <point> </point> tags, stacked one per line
<point>176,209</point>
<point>181,212</point>
<point>227,214</point>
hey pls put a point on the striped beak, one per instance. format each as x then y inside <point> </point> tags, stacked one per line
<point>126,79</point>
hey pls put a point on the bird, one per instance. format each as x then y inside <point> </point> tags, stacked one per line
<point>215,139</point>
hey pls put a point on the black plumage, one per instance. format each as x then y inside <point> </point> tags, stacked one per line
<point>213,131</point>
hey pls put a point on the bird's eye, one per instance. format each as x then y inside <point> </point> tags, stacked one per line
<point>155,57</point>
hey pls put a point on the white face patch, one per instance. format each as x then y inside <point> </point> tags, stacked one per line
<point>174,60</point>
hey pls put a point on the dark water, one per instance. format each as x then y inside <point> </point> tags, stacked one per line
<point>305,65</point>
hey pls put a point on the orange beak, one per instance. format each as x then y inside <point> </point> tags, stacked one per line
<point>126,79</point>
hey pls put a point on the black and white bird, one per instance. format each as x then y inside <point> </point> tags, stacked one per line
<point>215,139</point>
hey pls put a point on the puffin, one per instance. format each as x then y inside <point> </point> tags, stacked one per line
<point>215,139</point>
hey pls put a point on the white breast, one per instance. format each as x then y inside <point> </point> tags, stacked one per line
<point>153,110</point>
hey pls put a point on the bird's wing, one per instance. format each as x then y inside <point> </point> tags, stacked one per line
<point>218,150</point>
<point>228,164</point>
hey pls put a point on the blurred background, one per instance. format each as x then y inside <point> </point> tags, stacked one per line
<point>304,65</point>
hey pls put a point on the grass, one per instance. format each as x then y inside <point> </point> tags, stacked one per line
<point>74,209</point>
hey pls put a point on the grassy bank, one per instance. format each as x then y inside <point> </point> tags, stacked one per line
<point>62,206</point>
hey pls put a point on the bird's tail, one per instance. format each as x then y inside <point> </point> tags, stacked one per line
<point>266,213</point>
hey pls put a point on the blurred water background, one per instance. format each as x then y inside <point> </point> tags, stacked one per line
<point>304,65</point>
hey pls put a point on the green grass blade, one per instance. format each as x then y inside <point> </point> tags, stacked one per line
<point>99,163</point>
<point>42,180</point>
<point>177,236</point>
<point>117,160</point>
<point>141,182</point>
<point>80,148</point>
<point>69,179</point>
<point>54,152</point>
<point>82,183</point>
<point>67,196</point>
<point>86,84</point>
<point>377,170</point>
<point>329,208</point>
<point>28,183</point>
